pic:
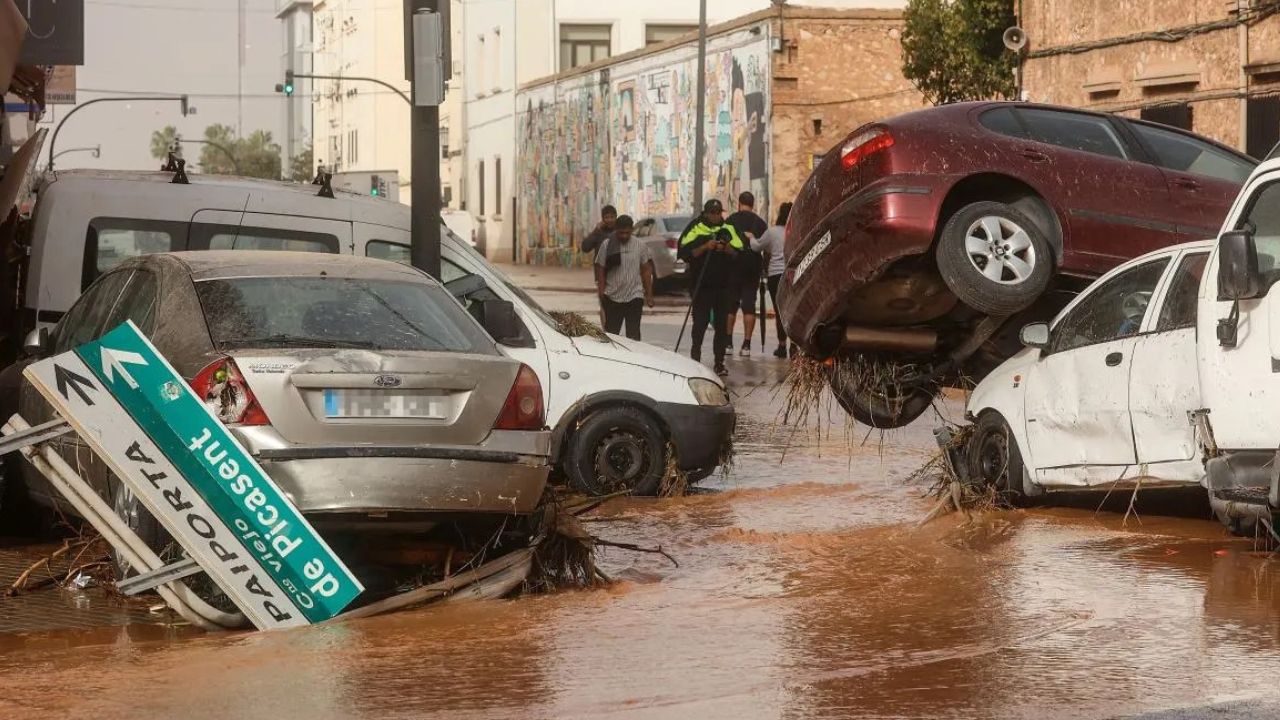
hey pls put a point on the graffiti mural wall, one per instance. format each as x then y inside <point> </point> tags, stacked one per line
<point>625,136</point>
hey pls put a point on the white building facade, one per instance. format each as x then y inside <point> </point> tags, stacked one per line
<point>296,55</point>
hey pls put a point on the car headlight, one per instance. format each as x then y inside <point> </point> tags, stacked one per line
<point>708,392</point>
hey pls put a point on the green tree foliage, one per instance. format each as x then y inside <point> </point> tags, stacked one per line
<point>162,141</point>
<point>302,166</point>
<point>953,50</point>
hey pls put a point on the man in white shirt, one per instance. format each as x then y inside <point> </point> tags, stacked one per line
<point>771,244</point>
<point>624,279</point>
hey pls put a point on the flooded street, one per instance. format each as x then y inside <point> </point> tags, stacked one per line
<point>804,589</point>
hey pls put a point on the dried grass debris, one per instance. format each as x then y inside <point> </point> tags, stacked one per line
<point>575,325</point>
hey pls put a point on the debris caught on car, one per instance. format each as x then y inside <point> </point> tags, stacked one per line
<point>574,325</point>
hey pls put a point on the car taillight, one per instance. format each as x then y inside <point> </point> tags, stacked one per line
<point>222,389</point>
<point>523,408</point>
<point>672,242</point>
<point>862,145</point>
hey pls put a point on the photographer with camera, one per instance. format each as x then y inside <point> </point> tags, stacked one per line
<point>710,246</point>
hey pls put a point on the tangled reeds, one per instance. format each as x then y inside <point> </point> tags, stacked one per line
<point>575,325</point>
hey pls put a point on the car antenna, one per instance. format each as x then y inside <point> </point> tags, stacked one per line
<point>323,180</point>
<point>177,166</point>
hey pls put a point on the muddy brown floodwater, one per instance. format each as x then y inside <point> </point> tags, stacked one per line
<point>804,590</point>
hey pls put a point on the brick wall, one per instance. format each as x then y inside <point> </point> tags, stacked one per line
<point>832,75</point>
<point>1202,69</point>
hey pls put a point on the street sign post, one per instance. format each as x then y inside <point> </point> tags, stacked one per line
<point>158,437</point>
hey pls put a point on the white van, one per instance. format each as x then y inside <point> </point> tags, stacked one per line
<point>615,406</point>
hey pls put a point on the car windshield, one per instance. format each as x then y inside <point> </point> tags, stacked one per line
<point>337,313</point>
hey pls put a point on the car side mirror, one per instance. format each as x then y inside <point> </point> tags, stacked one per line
<point>501,321</point>
<point>1238,276</point>
<point>39,343</point>
<point>1035,335</point>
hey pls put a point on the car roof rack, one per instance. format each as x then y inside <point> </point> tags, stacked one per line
<point>324,180</point>
<point>178,167</point>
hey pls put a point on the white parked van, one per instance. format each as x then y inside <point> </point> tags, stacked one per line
<point>1166,371</point>
<point>616,407</point>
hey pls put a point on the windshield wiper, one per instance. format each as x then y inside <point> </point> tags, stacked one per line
<point>300,341</point>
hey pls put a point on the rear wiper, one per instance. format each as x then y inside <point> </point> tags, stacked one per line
<point>299,341</point>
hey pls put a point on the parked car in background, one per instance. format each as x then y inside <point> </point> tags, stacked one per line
<point>617,408</point>
<point>662,235</point>
<point>462,223</point>
<point>365,391</point>
<point>917,238</point>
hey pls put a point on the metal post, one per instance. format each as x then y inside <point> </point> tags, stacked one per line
<point>700,131</point>
<point>53,140</point>
<point>424,168</point>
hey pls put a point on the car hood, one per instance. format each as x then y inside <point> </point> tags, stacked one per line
<point>631,352</point>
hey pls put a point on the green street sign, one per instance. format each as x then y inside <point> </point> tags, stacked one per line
<point>281,542</point>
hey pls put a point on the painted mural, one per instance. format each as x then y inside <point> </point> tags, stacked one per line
<point>629,141</point>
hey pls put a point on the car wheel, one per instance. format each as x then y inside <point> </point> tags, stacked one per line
<point>994,460</point>
<point>139,520</point>
<point>616,449</point>
<point>994,258</point>
<point>883,405</point>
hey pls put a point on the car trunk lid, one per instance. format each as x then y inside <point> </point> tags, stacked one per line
<point>356,396</point>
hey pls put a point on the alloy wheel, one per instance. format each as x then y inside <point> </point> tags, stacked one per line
<point>1000,249</point>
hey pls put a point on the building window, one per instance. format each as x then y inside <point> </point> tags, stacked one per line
<point>1262,132</point>
<point>353,147</point>
<point>479,74</point>
<point>1177,116</point>
<point>444,143</point>
<point>583,44</point>
<point>497,187</point>
<point>480,177</point>
<point>495,60</point>
<point>654,34</point>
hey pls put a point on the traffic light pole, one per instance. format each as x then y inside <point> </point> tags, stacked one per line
<point>424,130</point>
<point>287,89</point>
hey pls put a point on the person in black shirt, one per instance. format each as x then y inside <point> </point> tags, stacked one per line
<point>710,246</point>
<point>601,232</point>
<point>750,227</point>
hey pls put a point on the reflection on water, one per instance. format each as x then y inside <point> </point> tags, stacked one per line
<point>804,590</point>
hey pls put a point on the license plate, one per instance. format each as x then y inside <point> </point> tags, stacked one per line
<point>823,243</point>
<point>348,403</point>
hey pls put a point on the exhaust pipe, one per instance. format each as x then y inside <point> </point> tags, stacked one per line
<point>915,340</point>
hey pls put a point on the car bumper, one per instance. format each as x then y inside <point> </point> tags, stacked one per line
<point>701,434</point>
<point>506,474</point>
<point>869,231</point>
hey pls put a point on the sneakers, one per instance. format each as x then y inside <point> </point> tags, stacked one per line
<point>781,352</point>
<point>721,370</point>
<point>745,351</point>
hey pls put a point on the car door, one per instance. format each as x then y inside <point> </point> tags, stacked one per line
<point>1164,387</point>
<point>1203,180</point>
<point>1109,194</point>
<point>1077,396</point>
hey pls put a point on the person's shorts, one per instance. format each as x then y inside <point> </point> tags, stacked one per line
<point>748,296</point>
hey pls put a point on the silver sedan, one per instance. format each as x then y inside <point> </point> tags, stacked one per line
<point>662,235</point>
<point>370,396</point>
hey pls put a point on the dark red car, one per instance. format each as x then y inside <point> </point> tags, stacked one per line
<point>920,244</point>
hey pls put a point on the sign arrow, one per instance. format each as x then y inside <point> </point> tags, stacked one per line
<point>78,383</point>
<point>113,362</point>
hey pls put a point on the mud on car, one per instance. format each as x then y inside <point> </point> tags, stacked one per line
<point>922,243</point>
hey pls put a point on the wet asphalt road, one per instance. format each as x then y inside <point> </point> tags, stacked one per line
<point>804,590</point>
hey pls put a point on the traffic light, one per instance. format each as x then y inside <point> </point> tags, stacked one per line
<point>287,88</point>
<point>375,186</point>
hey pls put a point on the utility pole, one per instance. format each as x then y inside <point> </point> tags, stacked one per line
<point>426,54</point>
<point>700,131</point>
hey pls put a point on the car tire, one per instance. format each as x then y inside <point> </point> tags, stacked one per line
<point>615,449</point>
<point>137,518</point>
<point>994,258</point>
<point>993,459</point>
<point>884,408</point>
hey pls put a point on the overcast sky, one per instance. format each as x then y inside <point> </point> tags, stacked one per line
<point>170,46</point>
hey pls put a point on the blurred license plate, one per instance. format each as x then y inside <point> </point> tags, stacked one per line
<point>382,404</point>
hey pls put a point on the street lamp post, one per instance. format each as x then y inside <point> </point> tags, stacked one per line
<point>53,141</point>
<point>96,151</point>
<point>700,125</point>
<point>285,88</point>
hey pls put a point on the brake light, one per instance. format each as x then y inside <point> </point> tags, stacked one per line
<point>523,408</point>
<point>862,145</point>
<point>671,243</point>
<point>222,389</point>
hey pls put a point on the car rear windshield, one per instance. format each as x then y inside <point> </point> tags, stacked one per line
<point>292,312</point>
